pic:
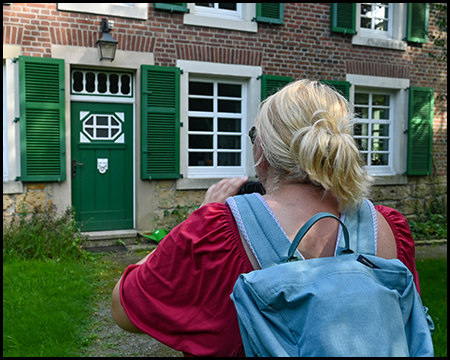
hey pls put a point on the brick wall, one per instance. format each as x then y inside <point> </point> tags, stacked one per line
<point>304,47</point>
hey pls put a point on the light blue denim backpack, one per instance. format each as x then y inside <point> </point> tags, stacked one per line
<point>353,304</point>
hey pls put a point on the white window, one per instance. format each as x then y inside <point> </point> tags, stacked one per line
<point>381,25</point>
<point>220,10</point>
<point>376,19</point>
<point>218,103</point>
<point>5,136</point>
<point>379,132</point>
<point>373,132</point>
<point>216,127</point>
<point>231,16</point>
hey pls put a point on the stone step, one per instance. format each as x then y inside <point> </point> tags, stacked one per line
<point>110,238</point>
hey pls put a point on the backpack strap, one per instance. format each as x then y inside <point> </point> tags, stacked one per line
<point>260,229</point>
<point>362,226</point>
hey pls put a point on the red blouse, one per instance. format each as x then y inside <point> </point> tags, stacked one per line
<point>181,294</point>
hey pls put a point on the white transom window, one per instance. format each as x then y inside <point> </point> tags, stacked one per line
<point>103,83</point>
<point>216,127</point>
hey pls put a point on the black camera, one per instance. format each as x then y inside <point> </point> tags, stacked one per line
<point>251,187</point>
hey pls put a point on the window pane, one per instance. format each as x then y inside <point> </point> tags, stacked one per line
<point>228,6</point>
<point>381,25</point>
<point>78,81</point>
<point>366,23</point>
<point>102,120</point>
<point>379,99</point>
<point>229,159</point>
<point>205,4</point>
<point>230,90</point>
<point>362,113</point>
<point>90,121</point>
<point>113,84</point>
<point>364,158</point>
<point>361,99</point>
<point>102,133</point>
<point>125,84</point>
<point>380,144</point>
<point>380,114</point>
<point>229,142</point>
<point>114,132</point>
<point>361,129</point>
<point>380,130</point>
<point>200,124</point>
<point>114,122</point>
<point>362,144</point>
<point>90,82</point>
<point>379,159</point>
<point>229,125</point>
<point>101,83</point>
<point>366,9</point>
<point>200,104</point>
<point>200,141</point>
<point>229,106</point>
<point>200,88</point>
<point>200,159</point>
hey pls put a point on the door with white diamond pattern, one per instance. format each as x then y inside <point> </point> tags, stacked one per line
<point>102,165</point>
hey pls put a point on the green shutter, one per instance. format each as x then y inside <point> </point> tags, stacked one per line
<point>160,122</point>
<point>341,86</point>
<point>420,131</point>
<point>270,84</point>
<point>417,28</point>
<point>343,18</point>
<point>180,7</point>
<point>271,13</point>
<point>42,119</point>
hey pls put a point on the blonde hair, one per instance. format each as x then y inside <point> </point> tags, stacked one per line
<point>305,132</point>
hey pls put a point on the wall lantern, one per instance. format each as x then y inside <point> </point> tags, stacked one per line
<point>107,44</point>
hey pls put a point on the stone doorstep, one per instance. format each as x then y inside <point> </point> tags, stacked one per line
<point>110,238</point>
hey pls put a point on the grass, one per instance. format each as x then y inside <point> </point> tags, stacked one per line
<point>48,286</point>
<point>433,284</point>
<point>47,306</point>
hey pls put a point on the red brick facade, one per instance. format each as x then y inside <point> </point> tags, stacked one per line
<point>304,47</point>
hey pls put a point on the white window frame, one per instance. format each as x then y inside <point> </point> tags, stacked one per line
<point>125,10</point>
<point>378,169</point>
<point>395,87</point>
<point>226,73</point>
<point>201,16</point>
<point>220,13</point>
<point>5,127</point>
<point>216,170</point>
<point>393,39</point>
<point>377,33</point>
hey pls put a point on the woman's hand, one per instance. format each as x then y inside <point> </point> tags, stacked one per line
<point>225,188</point>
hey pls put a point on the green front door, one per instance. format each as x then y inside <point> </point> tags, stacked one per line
<point>102,165</point>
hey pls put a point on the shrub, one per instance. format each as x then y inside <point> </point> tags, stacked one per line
<point>43,236</point>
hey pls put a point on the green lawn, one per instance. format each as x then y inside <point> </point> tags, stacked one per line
<point>433,284</point>
<point>47,307</point>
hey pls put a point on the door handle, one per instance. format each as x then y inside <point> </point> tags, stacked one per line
<point>74,167</point>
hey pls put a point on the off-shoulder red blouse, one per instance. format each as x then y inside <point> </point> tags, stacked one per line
<point>181,294</point>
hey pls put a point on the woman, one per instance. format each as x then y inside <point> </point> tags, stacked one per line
<point>308,162</point>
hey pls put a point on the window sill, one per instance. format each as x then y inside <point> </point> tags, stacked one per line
<point>215,22</point>
<point>380,43</point>
<point>390,180</point>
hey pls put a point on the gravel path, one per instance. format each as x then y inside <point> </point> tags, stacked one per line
<point>106,338</point>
